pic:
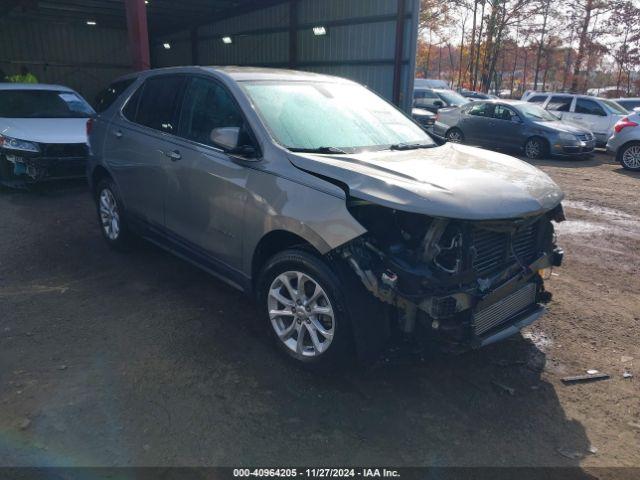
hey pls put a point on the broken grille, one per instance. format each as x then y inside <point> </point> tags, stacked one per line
<point>494,249</point>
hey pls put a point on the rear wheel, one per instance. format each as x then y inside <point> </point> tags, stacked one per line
<point>535,148</point>
<point>305,309</point>
<point>111,215</point>
<point>454,135</point>
<point>629,156</point>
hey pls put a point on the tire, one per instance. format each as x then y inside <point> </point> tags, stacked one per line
<point>536,148</point>
<point>629,156</point>
<point>111,216</point>
<point>454,135</point>
<point>297,328</point>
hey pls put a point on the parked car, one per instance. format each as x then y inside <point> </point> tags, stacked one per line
<point>327,203</point>
<point>471,95</point>
<point>424,118</point>
<point>598,115</point>
<point>513,125</point>
<point>625,141</point>
<point>630,103</point>
<point>433,99</point>
<point>42,133</point>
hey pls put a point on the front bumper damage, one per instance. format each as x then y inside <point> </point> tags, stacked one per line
<point>465,284</point>
<point>53,163</point>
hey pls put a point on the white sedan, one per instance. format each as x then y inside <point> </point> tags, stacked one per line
<point>43,133</point>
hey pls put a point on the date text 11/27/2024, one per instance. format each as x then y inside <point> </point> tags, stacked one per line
<point>316,472</point>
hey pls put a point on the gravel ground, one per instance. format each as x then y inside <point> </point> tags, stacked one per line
<point>141,359</point>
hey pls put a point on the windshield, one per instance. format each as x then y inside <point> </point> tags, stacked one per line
<point>315,115</point>
<point>536,113</point>
<point>43,104</point>
<point>614,107</point>
<point>452,98</point>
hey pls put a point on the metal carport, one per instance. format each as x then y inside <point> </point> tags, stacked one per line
<point>86,43</point>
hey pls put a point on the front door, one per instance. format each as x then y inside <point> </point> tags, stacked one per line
<point>139,144</point>
<point>590,115</point>
<point>509,129</point>
<point>206,191</point>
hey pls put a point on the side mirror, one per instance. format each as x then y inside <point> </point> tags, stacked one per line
<point>516,119</point>
<point>438,104</point>
<point>226,137</point>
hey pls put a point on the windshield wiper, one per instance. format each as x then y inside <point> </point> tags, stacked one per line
<point>410,146</point>
<point>318,150</point>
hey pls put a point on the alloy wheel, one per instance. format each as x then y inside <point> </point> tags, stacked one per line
<point>533,149</point>
<point>109,215</point>
<point>454,136</point>
<point>301,314</point>
<point>631,157</point>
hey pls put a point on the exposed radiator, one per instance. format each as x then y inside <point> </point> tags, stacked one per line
<point>503,310</point>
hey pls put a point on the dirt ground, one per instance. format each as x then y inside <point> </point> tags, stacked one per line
<point>141,359</point>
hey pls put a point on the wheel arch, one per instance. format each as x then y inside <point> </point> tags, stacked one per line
<point>274,242</point>
<point>97,175</point>
<point>625,145</point>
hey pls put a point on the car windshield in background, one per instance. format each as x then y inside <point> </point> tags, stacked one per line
<point>43,104</point>
<point>536,113</point>
<point>452,98</point>
<point>328,117</point>
<point>614,107</point>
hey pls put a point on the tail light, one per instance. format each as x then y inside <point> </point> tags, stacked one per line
<point>622,123</point>
<point>89,126</point>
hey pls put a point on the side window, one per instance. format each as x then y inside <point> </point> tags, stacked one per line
<point>479,110</point>
<point>130,110</point>
<point>109,95</point>
<point>208,106</point>
<point>503,113</point>
<point>537,99</point>
<point>158,103</point>
<point>589,107</point>
<point>559,103</point>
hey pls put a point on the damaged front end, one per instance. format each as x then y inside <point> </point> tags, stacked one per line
<point>467,283</point>
<point>23,162</point>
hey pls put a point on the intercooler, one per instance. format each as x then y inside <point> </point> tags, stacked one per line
<point>505,309</point>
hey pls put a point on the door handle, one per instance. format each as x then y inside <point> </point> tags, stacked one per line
<point>118,133</point>
<point>173,155</point>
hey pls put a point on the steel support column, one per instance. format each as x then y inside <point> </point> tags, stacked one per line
<point>138,34</point>
<point>399,54</point>
<point>293,33</point>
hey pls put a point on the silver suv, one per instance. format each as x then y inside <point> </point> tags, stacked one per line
<point>328,204</point>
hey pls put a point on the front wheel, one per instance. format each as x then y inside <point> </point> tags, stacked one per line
<point>629,156</point>
<point>305,310</point>
<point>535,148</point>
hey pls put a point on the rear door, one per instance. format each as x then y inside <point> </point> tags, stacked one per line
<point>139,144</point>
<point>475,123</point>
<point>207,191</point>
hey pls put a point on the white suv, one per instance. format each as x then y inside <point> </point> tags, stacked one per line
<point>596,114</point>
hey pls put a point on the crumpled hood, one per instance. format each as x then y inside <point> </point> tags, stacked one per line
<point>560,126</point>
<point>452,181</point>
<point>45,130</point>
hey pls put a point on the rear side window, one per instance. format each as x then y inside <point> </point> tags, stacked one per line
<point>537,99</point>
<point>109,95</point>
<point>589,107</point>
<point>155,104</point>
<point>559,103</point>
<point>480,110</point>
<point>207,106</point>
